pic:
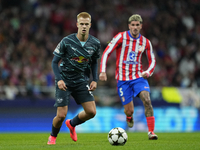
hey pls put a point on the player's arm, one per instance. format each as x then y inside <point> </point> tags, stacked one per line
<point>151,60</point>
<point>54,64</point>
<point>116,41</point>
<point>103,76</point>
<point>94,68</point>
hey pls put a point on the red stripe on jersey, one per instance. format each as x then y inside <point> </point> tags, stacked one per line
<point>141,40</point>
<point>137,65</point>
<point>131,65</point>
<point>142,44</point>
<point>139,57</point>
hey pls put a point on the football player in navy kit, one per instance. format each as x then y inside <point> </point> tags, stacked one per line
<point>78,54</point>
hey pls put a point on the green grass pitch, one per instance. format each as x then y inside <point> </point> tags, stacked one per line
<point>99,141</point>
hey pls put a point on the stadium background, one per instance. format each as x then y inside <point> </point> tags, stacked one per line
<point>31,29</point>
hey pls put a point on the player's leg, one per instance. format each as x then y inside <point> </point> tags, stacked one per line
<point>60,116</point>
<point>62,101</point>
<point>57,123</point>
<point>141,88</point>
<point>129,110</point>
<point>126,95</point>
<point>85,98</point>
<point>145,97</point>
<point>88,112</point>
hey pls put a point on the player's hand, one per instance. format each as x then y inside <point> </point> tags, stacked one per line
<point>61,85</point>
<point>93,86</point>
<point>103,76</point>
<point>145,75</point>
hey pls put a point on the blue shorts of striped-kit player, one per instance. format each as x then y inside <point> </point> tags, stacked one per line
<point>129,89</point>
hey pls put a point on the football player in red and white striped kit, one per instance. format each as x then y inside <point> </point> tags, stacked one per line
<point>131,78</point>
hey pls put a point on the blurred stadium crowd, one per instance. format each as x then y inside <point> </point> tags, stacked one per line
<point>31,29</point>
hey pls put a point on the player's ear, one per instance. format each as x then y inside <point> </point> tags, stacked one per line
<point>129,26</point>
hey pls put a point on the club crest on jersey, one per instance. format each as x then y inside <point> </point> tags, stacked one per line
<point>90,51</point>
<point>80,59</point>
<point>141,48</point>
<point>131,59</point>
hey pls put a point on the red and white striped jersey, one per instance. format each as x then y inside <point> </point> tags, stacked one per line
<point>128,56</point>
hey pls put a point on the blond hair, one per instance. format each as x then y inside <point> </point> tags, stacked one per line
<point>135,17</point>
<point>83,15</point>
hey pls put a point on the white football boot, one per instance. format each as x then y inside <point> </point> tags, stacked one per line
<point>152,136</point>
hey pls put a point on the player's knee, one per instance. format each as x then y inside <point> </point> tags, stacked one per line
<point>61,117</point>
<point>147,103</point>
<point>129,112</point>
<point>91,113</point>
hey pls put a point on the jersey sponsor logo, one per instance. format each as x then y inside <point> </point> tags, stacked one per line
<point>131,59</point>
<point>80,59</point>
<point>130,62</point>
<point>131,56</point>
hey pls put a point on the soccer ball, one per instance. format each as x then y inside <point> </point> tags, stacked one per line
<point>117,136</point>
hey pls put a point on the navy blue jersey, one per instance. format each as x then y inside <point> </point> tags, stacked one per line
<point>76,59</point>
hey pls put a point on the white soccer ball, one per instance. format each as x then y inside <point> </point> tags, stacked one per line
<point>117,136</point>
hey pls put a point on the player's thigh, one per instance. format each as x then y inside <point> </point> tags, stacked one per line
<point>62,97</point>
<point>125,92</point>
<point>89,107</point>
<point>145,97</point>
<point>140,85</point>
<point>129,106</point>
<point>81,93</point>
<point>62,111</point>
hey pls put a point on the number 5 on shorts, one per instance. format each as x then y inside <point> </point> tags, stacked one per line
<point>121,92</point>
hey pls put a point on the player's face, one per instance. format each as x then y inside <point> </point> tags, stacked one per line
<point>135,27</point>
<point>83,25</point>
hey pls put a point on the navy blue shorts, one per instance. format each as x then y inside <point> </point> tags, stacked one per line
<point>78,91</point>
<point>129,89</point>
